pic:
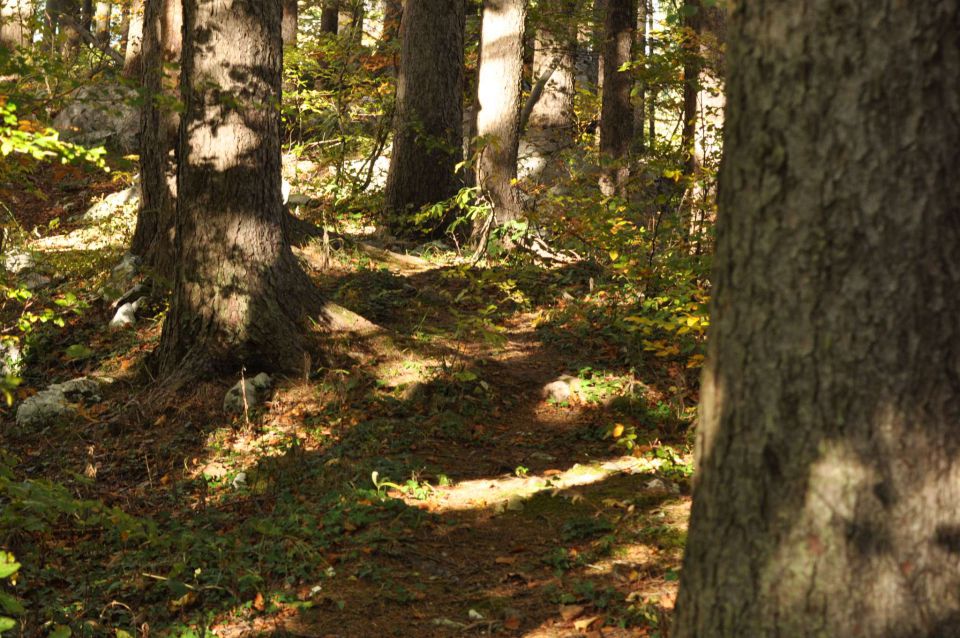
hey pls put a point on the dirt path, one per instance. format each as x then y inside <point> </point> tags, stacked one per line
<point>416,482</point>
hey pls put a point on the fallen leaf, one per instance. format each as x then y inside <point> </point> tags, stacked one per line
<point>512,623</point>
<point>504,560</point>
<point>584,623</point>
<point>258,602</point>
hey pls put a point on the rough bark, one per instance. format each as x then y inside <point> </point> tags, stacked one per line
<point>239,293</point>
<point>498,96</point>
<point>330,16</point>
<point>161,48</point>
<point>829,452</point>
<point>427,141</point>
<point>132,59</point>
<point>692,62</point>
<point>101,22</point>
<point>16,23</point>
<point>289,26</point>
<point>616,113</point>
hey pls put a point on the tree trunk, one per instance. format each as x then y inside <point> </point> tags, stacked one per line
<point>101,22</point>
<point>651,46</point>
<point>498,96</point>
<point>330,17</point>
<point>133,56</point>
<point>289,26</point>
<point>829,479</point>
<point>153,238</point>
<point>392,12</point>
<point>639,82</point>
<point>69,36</point>
<point>616,114</point>
<point>428,126</point>
<point>692,61</point>
<point>239,294</point>
<point>553,58</point>
<point>16,20</point>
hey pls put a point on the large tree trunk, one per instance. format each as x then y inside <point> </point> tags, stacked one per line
<point>330,16</point>
<point>289,27</point>
<point>553,59</point>
<point>427,141</point>
<point>498,97</point>
<point>16,23</point>
<point>101,22</point>
<point>829,476</point>
<point>616,114</point>
<point>692,61</point>
<point>240,294</point>
<point>132,58</point>
<point>162,45</point>
<point>392,12</point>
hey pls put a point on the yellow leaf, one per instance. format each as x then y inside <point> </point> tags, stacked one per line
<point>618,430</point>
<point>584,623</point>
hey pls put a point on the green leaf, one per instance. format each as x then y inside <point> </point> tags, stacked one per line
<point>7,624</point>
<point>11,605</point>
<point>79,351</point>
<point>61,631</point>
<point>8,566</point>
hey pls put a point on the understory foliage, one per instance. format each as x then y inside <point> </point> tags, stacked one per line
<point>209,533</point>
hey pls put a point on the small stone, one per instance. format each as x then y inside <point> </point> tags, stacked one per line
<point>561,390</point>
<point>126,314</point>
<point>473,614</point>
<point>256,390</point>
<point>11,357</point>
<point>34,281</point>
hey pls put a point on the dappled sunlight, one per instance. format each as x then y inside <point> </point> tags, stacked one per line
<point>510,493</point>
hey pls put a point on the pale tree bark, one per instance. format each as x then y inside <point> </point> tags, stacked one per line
<point>553,59</point>
<point>828,483</point>
<point>132,57</point>
<point>239,294</point>
<point>162,46</point>
<point>16,23</point>
<point>289,26</point>
<point>616,114</point>
<point>639,83</point>
<point>101,22</point>
<point>428,140</point>
<point>330,16</point>
<point>392,12</point>
<point>498,97</point>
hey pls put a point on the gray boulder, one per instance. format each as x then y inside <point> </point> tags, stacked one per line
<point>58,402</point>
<point>17,261</point>
<point>11,357</point>
<point>112,204</point>
<point>256,389</point>
<point>101,115</point>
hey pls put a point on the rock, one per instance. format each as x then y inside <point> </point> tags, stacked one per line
<point>112,204</point>
<point>285,189</point>
<point>661,486</point>
<point>255,389</point>
<point>56,403</point>
<point>17,261</point>
<point>34,281</point>
<point>561,390</point>
<point>121,278</point>
<point>126,314</point>
<point>11,357</point>
<point>101,114</point>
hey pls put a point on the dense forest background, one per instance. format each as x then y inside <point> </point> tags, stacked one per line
<point>389,318</point>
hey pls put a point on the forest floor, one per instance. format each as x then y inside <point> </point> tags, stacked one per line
<point>415,480</point>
